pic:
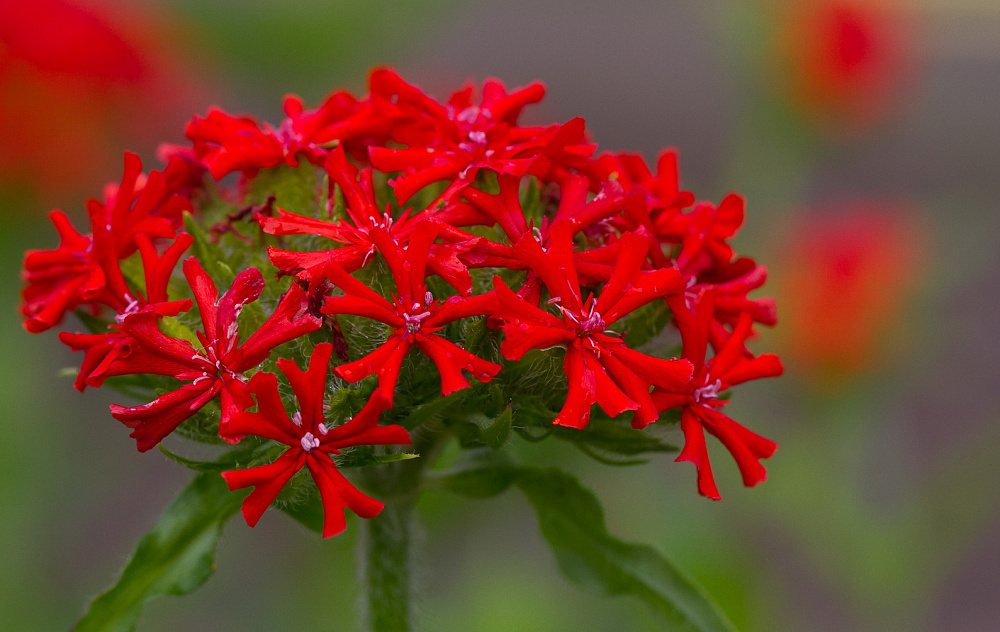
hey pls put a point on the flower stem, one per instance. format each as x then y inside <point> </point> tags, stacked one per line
<point>386,550</point>
<point>387,567</point>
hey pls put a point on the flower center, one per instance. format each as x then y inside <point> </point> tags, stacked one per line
<point>132,307</point>
<point>709,391</point>
<point>309,442</point>
<point>413,321</point>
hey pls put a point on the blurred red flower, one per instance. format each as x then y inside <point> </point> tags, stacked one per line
<point>843,281</point>
<point>844,59</point>
<point>76,79</point>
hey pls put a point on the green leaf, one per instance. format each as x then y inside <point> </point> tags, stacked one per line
<point>572,521</point>
<point>607,439</point>
<point>431,410</point>
<point>230,460</point>
<point>174,558</point>
<point>361,458</point>
<point>480,474</point>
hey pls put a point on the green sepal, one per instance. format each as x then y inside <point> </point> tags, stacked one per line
<point>209,255</point>
<point>174,328</point>
<point>175,558</point>
<point>496,434</point>
<point>295,189</point>
<point>308,512</point>
<point>93,324</point>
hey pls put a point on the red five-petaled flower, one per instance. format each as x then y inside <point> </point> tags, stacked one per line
<point>599,366</point>
<point>214,369</point>
<point>700,399</point>
<point>310,441</point>
<point>364,215</point>
<point>414,314</point>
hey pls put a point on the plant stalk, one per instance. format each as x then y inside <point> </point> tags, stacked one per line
<point>386,553</point>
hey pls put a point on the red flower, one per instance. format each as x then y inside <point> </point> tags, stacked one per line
<point>846,278</point>
<point>414,315</point>
<point>454,141</point>
<point>226,143</point>
<point>99,349</point>
<point>661,190</point>
<point>216,368</point>
<point>311,443</point>
<point>575,212</point>
<point>365,216</point>
<point>844,59</point>
<point>699,399</point>
<point>599,366</point>
<point>76,272</point>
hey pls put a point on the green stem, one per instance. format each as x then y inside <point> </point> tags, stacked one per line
<point>386,551</point>
<point>388,561</point>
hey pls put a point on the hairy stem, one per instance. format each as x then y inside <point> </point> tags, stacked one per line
<point>386,553</point>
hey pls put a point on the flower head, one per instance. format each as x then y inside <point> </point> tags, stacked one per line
<point>311,442</point>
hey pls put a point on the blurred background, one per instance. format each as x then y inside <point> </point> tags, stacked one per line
<point>866,138</point>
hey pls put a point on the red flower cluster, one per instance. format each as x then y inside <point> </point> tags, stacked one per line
<point>568,272</point>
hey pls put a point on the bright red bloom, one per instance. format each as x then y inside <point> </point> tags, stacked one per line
<point>99,349</point>
<point>414,315</point>
<point>226,143</point>
<point>365,216</point>
<point>455,141</point>
<point>217,367</point>
<point>311,443</point>
<point>699,399</point>
<point>76,272</point>
<point>599,366</point>
<point>661,190</point>
<point>575,213</point>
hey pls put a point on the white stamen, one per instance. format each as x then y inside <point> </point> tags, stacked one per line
<point>297,418</point>
<point>709,391</point>
<point>322,429</point>
<point>204,376</point>
<point>428,298</point>
<point>412,321</point>
<point>309,442</point>
<point>131,308</point>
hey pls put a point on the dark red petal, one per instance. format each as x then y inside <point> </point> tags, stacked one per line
<point>205,294</point>
<point>746,447</point>
<point>337,493</point>
<point>153,421</point>
<point>581,395</point>
<point>451,359</point>
<point>267,481</point>
<point>696,452</point>
<point>310,385</point>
